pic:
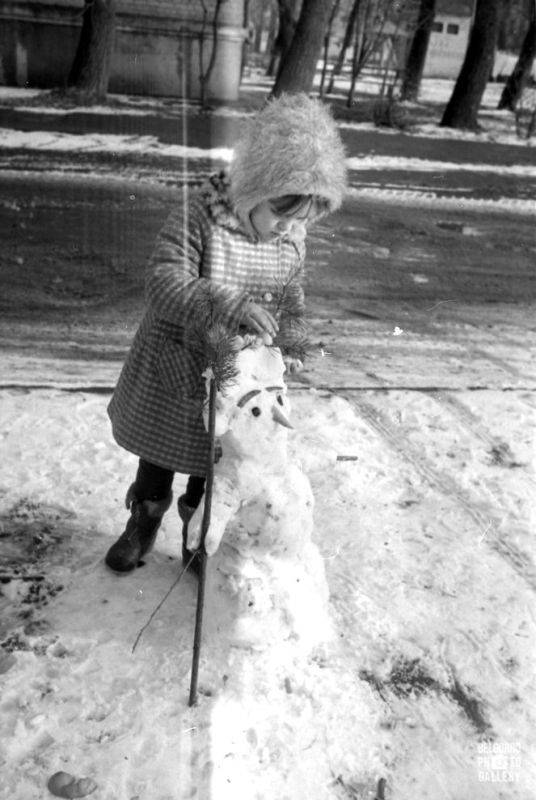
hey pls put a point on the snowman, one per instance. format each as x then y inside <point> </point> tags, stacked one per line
<point>266,583</point>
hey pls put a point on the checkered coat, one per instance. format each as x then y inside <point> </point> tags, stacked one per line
<point>156,409</point>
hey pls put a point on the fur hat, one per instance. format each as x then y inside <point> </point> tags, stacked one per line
<point>292,146</point>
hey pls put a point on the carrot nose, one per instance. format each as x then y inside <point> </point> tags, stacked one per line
<point>278,416</point>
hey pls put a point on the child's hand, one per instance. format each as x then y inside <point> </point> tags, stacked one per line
<point>260,320</point>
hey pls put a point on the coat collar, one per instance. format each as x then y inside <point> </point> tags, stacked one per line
<point>215,195</point>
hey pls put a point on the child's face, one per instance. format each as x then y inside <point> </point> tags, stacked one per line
<point>269,224</point>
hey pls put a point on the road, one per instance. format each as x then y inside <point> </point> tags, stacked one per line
<point>398,295</point>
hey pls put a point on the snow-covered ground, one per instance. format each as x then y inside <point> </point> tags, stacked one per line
<point>150,145</point>
<point>424,516</point>
<point>105,143</point>
<point>170,162</point>
<point>431,594</point>
<point>183,158</point>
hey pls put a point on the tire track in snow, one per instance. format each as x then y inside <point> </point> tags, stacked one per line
<point>488,522</point>
<point>472,422</point>
<point>477,352</point>
<point>432,199</point>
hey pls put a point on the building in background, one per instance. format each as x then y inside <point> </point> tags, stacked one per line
<point>449,38</point>
<point>157,51</point>
<point>446,49</point>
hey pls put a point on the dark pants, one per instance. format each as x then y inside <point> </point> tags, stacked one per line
<point>154,483</point>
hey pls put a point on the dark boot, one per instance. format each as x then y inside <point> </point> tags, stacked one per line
<point>140,532</point>
<point>186,512</point>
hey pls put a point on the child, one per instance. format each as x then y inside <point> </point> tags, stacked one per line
<point>239,236</point>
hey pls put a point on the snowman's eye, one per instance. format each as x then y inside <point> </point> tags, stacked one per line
<point>279,399</point>
<point>256,411</point>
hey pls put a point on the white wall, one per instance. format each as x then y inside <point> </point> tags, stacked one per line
<point>447,48</point>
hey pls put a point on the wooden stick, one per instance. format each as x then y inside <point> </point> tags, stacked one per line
<point>162,601</point>
<point>201,550</point>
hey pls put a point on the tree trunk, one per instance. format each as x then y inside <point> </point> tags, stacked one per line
<point>370,25</point>
<point>462,108</point>
<point>298,67</point>
<point>518,79</point>
<point>90,71</point>
<point>357,52</point>
<point>327,42</point>
<point>287,25</point>
<point>417,52</point>
<point>347,40</point>
<point>512,26</point>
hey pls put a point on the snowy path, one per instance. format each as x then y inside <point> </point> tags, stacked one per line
<point>170,143</point>
<point>352,356</point>
<point>434,618</point>
<point>145,160</point>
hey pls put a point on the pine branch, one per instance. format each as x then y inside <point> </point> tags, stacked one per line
<point>220,355</point>
<point>292,337</point>
<point>210,337</point>
<point>293,344</point>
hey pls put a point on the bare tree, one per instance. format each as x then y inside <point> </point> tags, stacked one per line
<point>272,28</point>
<point>361,45</point>
<point>390,66</point>
<point>298,67</point>
<point>417,52</point>
<point>327,41</point>
<point>90,71</point>
<point>462,108</point>
<point>346,42</point>
<point>369,32</point>
<point>520,75</point>
<point>263,18</point>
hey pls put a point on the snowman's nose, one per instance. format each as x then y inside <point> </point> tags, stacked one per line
<point>278,416</point>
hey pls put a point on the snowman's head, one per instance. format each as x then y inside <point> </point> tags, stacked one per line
<point>253,413</point>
